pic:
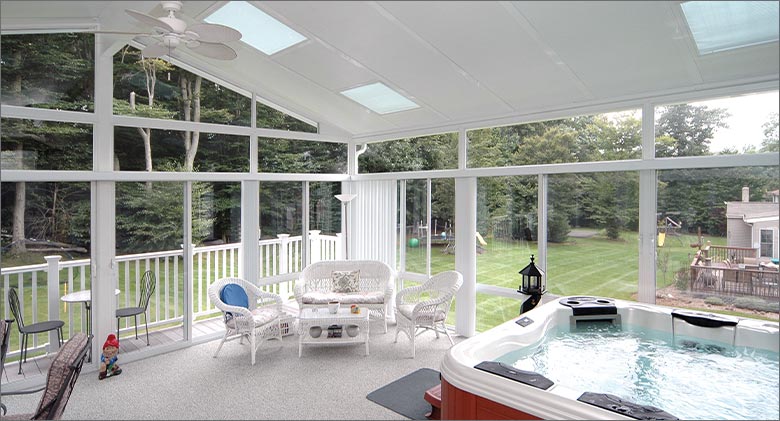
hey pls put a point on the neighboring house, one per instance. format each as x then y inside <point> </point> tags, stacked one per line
<point>754,224</point>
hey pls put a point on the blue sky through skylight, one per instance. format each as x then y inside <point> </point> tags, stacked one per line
<point>725,25</point>
<point>379,98</point>
<point>258,29</point>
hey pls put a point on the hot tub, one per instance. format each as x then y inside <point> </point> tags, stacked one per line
<point>478,382</point>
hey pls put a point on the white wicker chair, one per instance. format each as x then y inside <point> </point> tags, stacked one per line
<point>426,306</point>
<point>314,287</point>
<point>259,322</point>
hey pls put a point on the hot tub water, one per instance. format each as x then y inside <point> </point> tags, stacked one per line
<point>646,367</point>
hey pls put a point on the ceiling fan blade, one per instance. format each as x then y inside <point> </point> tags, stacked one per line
<point>149,20</point>
<point>155,50</point>
<point>214,50</point>
<point>213,32</point>
<point>119,33</point>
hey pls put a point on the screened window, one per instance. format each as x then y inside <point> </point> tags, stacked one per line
<point>53,71</point>
<point>727,126</point>
<point>602,137</point>
<point>155,88</point>
<point>434,152</point>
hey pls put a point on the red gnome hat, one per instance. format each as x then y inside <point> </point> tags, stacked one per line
<point>111,341</point>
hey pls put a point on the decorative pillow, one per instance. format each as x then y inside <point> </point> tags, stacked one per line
<point>346,280</point>
<point>234,295</point>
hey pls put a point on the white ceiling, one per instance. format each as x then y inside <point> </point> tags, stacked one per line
<point>461,61</point>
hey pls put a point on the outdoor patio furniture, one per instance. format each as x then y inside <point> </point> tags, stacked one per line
<point>247,312</point>
<point>62,376</point>
<point>373,289</point>
<point>148,283</point>
<point>5,339</point>
<point>426,306</point>
<point>31,329</point>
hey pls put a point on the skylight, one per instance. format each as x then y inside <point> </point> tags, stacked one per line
<point>258,29</point>
<point>724,25</point>
<point>379,98</point>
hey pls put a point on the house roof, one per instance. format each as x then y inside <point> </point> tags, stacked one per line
<point>464,62</point>
<point>752,212</point>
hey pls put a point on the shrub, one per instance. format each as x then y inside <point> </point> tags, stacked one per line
<point>752,303</point>
<point>715,301</point>
<point>558,228</point>
<point>681,279</point>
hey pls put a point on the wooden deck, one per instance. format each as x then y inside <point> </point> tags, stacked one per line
<point>35,369</point>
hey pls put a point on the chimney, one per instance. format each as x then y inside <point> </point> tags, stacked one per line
<point>745,194</point>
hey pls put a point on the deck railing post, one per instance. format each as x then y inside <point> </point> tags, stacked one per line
<point>53,287</point>
<point>339,247</point>
<point>314,246</point>
<point>284,241</point>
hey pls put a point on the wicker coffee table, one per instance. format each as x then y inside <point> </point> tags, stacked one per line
<point>321,318</point>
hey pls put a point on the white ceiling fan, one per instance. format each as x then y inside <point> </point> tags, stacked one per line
<point>170,32</point>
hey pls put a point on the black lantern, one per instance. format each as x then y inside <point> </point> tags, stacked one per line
<point>533,284</point>
<point>533,280</point>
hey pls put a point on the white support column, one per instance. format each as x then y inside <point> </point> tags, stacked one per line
<point>103,203</point>
<point>53,288</point>
<point>463,143</point>
<point>250,212</point>
<point>188,253</point>
<point>402,234</point>
<point>305,240</point>
<point>428,216</point>
<point>647,211</point>
<point>541,228</point>
<point>250,230</point>
<point>466,255</point>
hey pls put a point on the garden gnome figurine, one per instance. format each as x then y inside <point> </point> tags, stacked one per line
<point>108,365</point>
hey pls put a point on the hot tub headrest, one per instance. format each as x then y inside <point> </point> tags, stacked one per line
<point>627,408</point>
<point>589,306</point>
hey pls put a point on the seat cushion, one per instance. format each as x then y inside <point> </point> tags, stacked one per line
<point>406,311</point>
<point>261,316</point>
<point>234,295</point>
<point>345,281</point>
<point>362,297</point>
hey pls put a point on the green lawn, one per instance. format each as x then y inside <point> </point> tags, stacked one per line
<point>581,266</point>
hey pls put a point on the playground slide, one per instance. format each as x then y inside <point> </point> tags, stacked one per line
<point>480,239</point>
<point>661,239</point>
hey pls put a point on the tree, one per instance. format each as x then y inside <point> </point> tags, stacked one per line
<point>771,142</point>
<point>688,129</point>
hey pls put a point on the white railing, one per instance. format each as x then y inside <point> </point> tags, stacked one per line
<point>40,286</point>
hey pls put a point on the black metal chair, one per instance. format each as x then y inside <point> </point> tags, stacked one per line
<point>32,329</point>
<point>148,283</point>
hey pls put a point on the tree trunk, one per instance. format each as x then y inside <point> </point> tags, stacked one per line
<point>20,205</point>
<point>191,107</point>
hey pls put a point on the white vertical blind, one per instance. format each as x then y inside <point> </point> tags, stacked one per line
<point>372,221</point>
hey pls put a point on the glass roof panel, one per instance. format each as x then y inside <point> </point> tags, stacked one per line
<point>724,25</point>
<point>379,98</point>
<point>257,28</point>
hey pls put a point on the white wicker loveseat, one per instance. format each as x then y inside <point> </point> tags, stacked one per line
<point>315,287</point>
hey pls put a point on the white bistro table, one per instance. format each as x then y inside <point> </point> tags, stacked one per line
<point>321,317</point>
<point>85,297</point>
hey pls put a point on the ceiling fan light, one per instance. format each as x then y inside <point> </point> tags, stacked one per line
<point>171,41</point>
